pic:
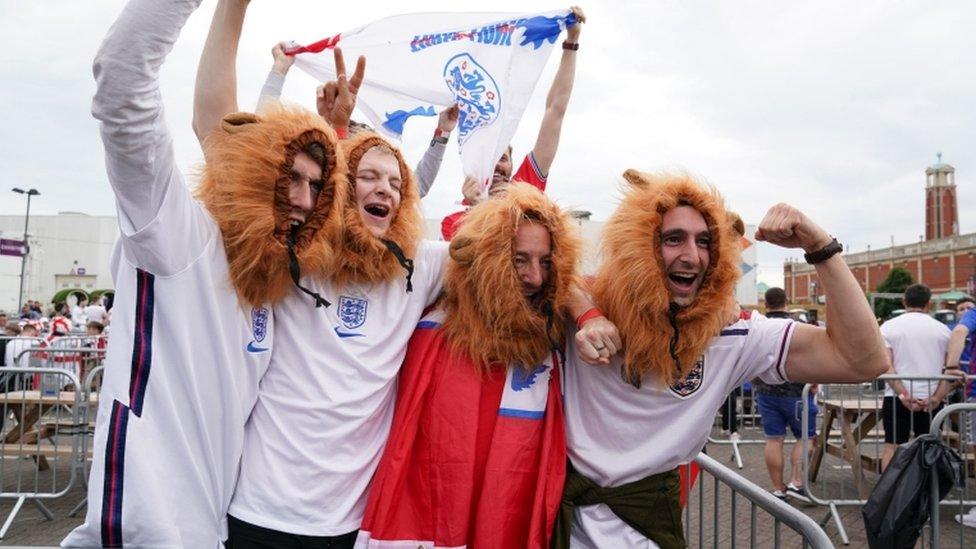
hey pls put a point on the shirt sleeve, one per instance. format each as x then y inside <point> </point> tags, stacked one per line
<point>435,258</point>
<point>969,320</point>
<point>530,173</point>
<point>428,167</point>
<point>271,91</point>
<point>766,349</point>
<point>153,203</point>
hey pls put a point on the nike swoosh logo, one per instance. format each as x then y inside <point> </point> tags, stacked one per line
<point>252,348</point>
<point>344,335</point>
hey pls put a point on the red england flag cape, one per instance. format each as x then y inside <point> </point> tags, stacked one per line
<point>473,460</point>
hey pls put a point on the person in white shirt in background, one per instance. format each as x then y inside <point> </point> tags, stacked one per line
<point>26,336</point>
<point>917,344</point>
<point>78,314</point>
<point>95,312</point>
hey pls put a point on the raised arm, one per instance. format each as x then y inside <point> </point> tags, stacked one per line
<point>557,101</point>
<point>851,348</point>
<point>215,92</point>
<point>430,164</point>
<point>271,92</point>
<point>138,147</point>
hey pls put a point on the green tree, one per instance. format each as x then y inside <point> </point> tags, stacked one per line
<point>897,281</point>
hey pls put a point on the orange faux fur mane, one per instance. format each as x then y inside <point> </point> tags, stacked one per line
<point>365,259</point>
<point>488,318</point>
<point>630,283</point>
<point>245,187</point>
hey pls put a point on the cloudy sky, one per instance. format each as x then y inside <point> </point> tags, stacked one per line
<point>835,107</point>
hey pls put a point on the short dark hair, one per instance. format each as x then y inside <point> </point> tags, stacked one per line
<point>316,151</point>
<point>966,299</point>
<point>358,127</point>
<point>95,325</point>
<point>775,298</point>
<point>917,295</point>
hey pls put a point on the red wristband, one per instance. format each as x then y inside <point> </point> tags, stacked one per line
<point>342,133</point>
<point>588,315</point>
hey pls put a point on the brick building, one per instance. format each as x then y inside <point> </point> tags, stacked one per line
<point>945,261</point>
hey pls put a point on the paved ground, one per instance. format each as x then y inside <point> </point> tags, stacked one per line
<point>30,528</point>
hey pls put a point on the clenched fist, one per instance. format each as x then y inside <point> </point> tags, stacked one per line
<point>788,227</point>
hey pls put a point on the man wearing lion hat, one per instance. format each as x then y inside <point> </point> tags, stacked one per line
<point>476,455</point>
<point>178,388</point>
<point>670,264</point>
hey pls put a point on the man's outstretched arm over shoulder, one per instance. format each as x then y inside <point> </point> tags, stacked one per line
<point>138,147</point>
<point>851,348</point>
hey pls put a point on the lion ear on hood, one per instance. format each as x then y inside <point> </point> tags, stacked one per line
<point>236,121</point>
<point>735,221</point>
<point>636,178</point>
<point>462,250</point>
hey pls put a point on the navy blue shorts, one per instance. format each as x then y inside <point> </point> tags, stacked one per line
<point>779,411</point>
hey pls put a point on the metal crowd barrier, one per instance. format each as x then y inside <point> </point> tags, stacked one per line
<point>19,344</point>
<point>724,509</point>
<point>851,431</point>
<point>742,410</point>
<point>82,362</point>
<point>43,426</point>
<point>88,412</point>
<point>962,498</point>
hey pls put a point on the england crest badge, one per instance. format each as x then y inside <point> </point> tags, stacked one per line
<point>352,311</point>
<point>259,329</point>
<point>259,323</point>
<point>476,93</point>
<point>684,388</point>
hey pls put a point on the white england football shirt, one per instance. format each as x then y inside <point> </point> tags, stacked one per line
<point>185,357</point>
<point>326,404</point>
<point>617,433</point>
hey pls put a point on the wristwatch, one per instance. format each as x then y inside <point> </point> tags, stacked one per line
<point>825,253</point>
<point>439,137</point>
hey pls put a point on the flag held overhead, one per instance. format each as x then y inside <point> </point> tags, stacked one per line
<point>488,64</point>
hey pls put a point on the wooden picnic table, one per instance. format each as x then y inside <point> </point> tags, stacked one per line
<point>856,418</point>
<point>28,408</point>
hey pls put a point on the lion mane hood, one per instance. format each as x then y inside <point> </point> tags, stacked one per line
<point>365,258</point>
<point>487,317</point>
<point>630,283</point>
<point>245,186</point>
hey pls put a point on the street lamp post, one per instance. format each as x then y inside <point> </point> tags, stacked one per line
<point>23,258</point>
